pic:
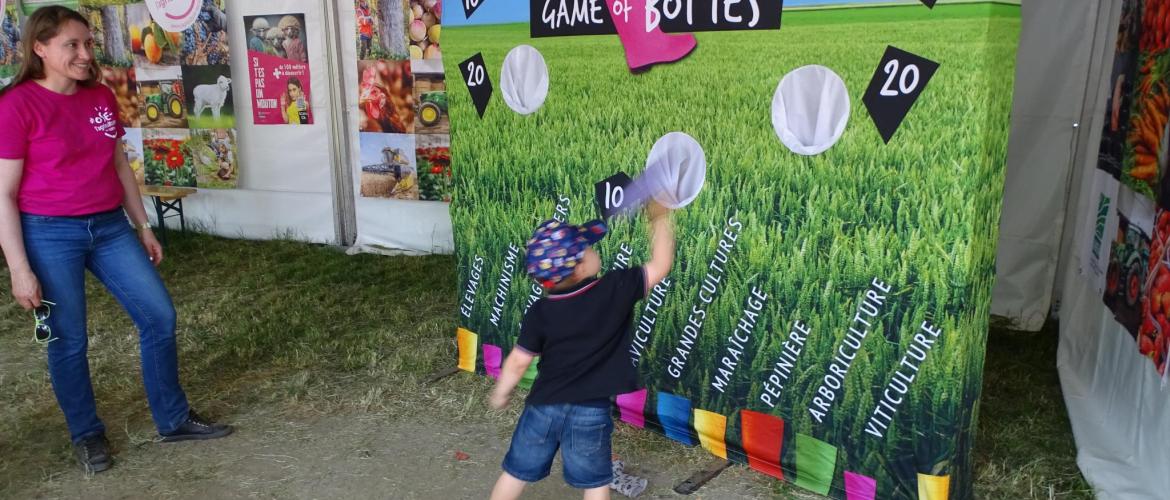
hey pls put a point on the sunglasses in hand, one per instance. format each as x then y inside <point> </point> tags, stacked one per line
<point>42,334</point>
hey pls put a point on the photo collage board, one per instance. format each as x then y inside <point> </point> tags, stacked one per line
<point>402,101</point>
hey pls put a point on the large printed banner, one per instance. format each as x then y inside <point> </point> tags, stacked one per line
<point>837,179</point>
<point>1126,247</point>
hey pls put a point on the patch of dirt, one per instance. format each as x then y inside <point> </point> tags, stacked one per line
<point>355,455</point>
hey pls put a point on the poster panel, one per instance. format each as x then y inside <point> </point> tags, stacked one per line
<point>826,317</point>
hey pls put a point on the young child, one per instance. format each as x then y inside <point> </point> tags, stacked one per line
<point>581,330</point>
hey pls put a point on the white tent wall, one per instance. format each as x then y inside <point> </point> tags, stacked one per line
<point>289,173</point>
<point>1118,405</point>
<point>385,225</point>
<point>1052,61</point>
<point>285,171</point>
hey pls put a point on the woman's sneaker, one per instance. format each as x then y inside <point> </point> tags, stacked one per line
<point>94,453</point>
<point>196,428</point>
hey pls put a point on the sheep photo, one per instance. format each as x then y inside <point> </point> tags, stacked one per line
<point>209,96</point>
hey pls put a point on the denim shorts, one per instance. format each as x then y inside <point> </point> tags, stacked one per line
<point>581,431</point>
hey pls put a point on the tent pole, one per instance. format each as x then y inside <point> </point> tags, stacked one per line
<point>344,209</point>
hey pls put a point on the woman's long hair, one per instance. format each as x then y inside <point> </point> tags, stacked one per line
<point>42,26</point>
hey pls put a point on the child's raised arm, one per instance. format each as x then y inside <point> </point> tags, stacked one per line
<point>661,244</point>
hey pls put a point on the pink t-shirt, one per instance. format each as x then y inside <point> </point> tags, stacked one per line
<point>67,143</point>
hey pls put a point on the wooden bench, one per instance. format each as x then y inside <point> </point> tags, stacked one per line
<point>167,200</point>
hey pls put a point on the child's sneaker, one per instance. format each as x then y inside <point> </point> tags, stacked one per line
<point>626,484</point>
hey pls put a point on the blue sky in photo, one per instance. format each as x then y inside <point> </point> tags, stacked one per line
<point>516,11</point>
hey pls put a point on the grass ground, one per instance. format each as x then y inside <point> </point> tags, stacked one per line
<point>303,331</point>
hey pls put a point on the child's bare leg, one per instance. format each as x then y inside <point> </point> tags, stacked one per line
<point>509,488</point>
<point>598,493</point>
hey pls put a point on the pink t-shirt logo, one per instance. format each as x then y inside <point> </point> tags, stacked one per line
<point>103,122</point>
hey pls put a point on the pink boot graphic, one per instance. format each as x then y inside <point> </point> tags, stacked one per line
<point>645,48</point>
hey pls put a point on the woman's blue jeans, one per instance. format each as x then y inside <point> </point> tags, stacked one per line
<point>60,249</point>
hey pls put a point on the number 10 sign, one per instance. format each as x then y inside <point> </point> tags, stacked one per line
<point>897,83</point>
<point>477,80</point>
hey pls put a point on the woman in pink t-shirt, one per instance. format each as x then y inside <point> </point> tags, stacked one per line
<point>66,190</point>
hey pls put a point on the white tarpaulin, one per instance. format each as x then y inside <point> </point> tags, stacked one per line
<point>387,224</point>
<point>285,171</point>
<point>1048,97</point>
<point>1118,404</point>
<point>288,172</point>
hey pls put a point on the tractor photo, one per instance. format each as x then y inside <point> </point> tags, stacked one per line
<point>169,99</point>
<point>1127,266</point>
<point>431,107</point>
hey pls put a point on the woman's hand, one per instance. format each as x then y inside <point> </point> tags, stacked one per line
<point>151,244</point>
<point>26,289</point>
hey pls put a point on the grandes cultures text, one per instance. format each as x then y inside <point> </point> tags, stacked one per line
<point>708,291</point>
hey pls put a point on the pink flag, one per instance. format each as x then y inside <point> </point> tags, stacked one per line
<point>632,406</point>
<point>491,360</point>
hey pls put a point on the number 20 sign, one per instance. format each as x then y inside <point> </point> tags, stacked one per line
<point>899,80</point>
<point>477,80</point>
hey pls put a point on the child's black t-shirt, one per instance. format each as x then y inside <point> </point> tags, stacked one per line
<point>582,336</point>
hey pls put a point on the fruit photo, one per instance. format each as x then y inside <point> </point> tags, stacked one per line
<point>122,82</point>
<point>152,47</point>
<point>1153,338</point>
<point>423,28</point>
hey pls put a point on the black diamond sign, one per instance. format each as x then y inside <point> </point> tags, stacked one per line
<point>469,7</point>
<point>929,3</point>
<point>899,80</point>
<point>611,194</point>
<point>478,82</point>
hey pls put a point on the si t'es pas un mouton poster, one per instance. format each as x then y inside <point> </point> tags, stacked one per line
<point>836,172</point>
